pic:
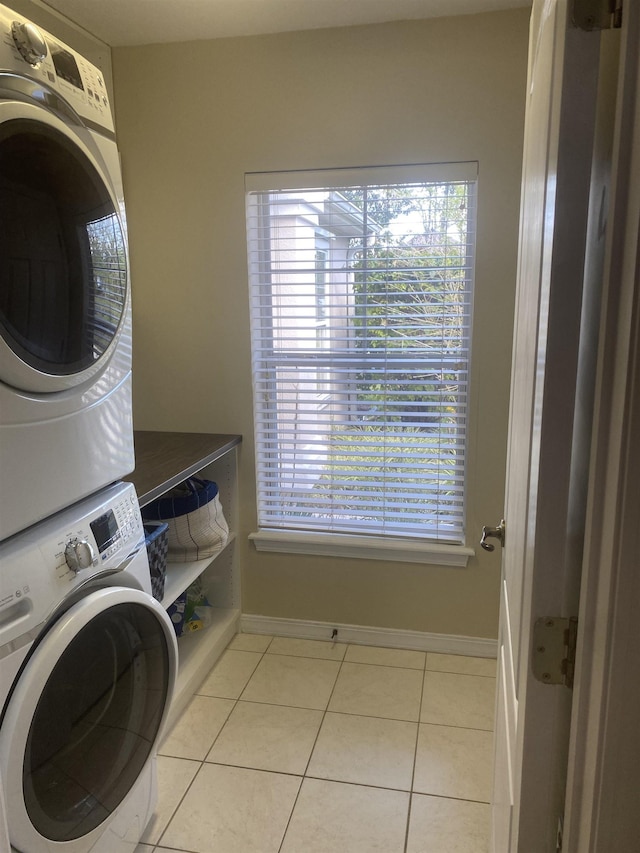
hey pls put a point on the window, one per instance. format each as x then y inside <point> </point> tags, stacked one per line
<point>361,285</point>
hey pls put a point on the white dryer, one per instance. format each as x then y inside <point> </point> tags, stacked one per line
<point>65,311</point>
<point>87,668</point>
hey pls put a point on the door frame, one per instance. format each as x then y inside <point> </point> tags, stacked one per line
<point>601,807</point>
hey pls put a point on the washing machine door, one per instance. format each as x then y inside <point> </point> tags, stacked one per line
<point>63,276</point>
<point>84,718</point>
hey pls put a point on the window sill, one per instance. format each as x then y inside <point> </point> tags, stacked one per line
<point>361,547</point>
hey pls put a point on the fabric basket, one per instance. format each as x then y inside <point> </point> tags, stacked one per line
<point>157,541</point>
<point>196,522</point>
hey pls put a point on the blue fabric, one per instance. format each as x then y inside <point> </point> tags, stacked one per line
<point>152,533</point>
<point>179,502</point>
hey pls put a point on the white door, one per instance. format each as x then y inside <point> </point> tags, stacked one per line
<point>549,430</point>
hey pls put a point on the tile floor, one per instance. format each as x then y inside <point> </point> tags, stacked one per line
<point>302,746</point>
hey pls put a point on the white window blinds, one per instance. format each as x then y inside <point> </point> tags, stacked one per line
<point>361,284</point>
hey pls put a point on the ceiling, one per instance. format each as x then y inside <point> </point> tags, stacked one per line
<point>130,22</point>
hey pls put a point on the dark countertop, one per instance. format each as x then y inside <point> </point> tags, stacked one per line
<point>164,459</point>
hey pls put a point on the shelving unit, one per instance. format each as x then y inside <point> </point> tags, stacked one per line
<point>164,459</point>
<point>181,575</point>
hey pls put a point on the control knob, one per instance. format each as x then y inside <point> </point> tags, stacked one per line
<point>30,42</point>
<point>79,554</point>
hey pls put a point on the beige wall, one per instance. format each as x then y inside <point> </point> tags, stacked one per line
<point>192,119</point>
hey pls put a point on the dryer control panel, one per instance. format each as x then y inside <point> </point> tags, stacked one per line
<point>29,50</point>
<point>43,565</point>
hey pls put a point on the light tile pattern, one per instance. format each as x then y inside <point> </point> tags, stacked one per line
<point>450,699</point>
<point>454,826</point>
<point>230,675</point>
<point>365,750</point>
<point>295,681</point>
<point>268,737</point>
<point>386,657</point>
<point>378,691</point>
<point>250,643</point>
<point>174,777</point>
<point>302,746</point>
<point>331,817</point>
<point>249,813</point>
<point>453,762</point>
<point>204,715</point>
<point>307,648</point>
<point>461,664</point>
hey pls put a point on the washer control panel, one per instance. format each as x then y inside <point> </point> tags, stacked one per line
<point>100,540</point>
<point>42,565</point>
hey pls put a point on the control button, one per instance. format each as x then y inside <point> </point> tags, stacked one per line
<point>30,42</point>
<point>79,554</point>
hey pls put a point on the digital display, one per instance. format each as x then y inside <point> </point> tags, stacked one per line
<point>65,65</point>
<point>104,529</point>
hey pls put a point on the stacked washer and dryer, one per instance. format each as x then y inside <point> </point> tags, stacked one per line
<point>87,656</point>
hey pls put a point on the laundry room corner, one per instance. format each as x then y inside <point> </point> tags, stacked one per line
<point>185,180</point>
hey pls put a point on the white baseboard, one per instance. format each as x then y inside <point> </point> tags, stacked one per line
<point>449,644</point>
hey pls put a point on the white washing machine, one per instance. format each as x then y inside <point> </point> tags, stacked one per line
<point>65,313</point>
<point>87,669</point>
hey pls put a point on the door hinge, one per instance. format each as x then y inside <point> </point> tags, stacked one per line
<point>597,14</point>
<point>553,659</point>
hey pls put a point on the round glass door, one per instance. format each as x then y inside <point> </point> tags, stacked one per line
<point>63,277</point>
<point>96,721</point>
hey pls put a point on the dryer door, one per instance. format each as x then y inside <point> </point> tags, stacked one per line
<point>84,718</point>
<point>63,277</point>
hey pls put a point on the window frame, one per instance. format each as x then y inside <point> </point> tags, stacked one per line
<point>391,547</point>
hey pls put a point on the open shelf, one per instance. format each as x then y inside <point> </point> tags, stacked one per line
<point>181,575</point>
<point>198,652</point>
<point>164,459</point>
